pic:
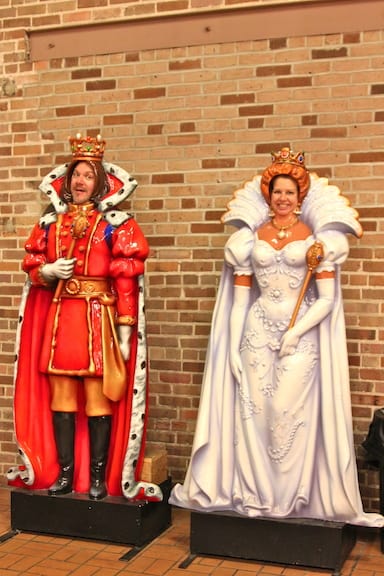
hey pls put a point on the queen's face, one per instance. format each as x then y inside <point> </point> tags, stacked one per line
<point>83,182</point>
<point>284,197</point>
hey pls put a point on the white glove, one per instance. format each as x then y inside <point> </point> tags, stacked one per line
<point>236,328</point>
<point>314,315</point>
<point>61,268</point>
<point>125,333</point>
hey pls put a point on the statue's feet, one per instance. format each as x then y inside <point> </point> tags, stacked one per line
<point>97,490</point>
<point>63,485</point>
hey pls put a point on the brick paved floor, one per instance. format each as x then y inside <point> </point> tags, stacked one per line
<point>36,555</point>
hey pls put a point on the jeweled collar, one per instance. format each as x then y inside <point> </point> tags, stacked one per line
<point>85,208</point>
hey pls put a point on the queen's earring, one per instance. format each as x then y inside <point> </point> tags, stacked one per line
<point>297,210</point>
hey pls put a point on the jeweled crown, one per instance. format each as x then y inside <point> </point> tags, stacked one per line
<point>285,155</point>
<point>87,148</point>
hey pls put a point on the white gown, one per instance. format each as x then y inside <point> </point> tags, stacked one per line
<point>278,398</point>
<point>279,443</point>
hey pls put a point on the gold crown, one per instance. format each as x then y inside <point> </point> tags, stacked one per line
<point>286,156</point>
<point>87,148</point>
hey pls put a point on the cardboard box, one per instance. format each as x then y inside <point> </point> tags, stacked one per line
<point>155,467</point>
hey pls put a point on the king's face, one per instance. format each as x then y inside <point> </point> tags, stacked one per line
<point>83,183</point>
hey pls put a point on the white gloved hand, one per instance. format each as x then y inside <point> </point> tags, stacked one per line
<point>125,334</point>
<point>239,311</point>
<point>61,268</point>
<point>314,315</point>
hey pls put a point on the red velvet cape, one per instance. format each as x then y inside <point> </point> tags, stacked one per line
<point>33,416</point>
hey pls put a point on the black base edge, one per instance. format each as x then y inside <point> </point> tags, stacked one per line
<point>308,543</point>
<point>113,519</point>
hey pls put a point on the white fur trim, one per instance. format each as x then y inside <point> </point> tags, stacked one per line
<point>117,217</point>
<point>129,485</point>
<point>247,206</point>
<point>129,185</point>
<point>115,197</point>
<point>46,187</point>
<point>324,208</point>
<point>47,219</point>
<point>27,475</point>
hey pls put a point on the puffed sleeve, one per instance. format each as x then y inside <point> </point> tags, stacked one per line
<point>238,249</point>
<point>36,247</point>
<point>336,249</point>
<point>129,252</point>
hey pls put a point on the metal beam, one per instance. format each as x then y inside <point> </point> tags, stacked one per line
<point>304,18</point>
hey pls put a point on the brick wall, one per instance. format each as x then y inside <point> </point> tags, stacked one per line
<point>191,124</point>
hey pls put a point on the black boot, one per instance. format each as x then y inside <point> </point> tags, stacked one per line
<point>64,429</point>
<point>374,442</point>
<point>99,436</point>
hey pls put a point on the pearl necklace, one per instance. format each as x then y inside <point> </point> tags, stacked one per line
<point>282,230</point>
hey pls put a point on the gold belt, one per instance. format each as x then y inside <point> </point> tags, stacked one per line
<point>86,286</point>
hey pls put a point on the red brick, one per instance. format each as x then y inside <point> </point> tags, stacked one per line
<point>277,43</point>
<point>187,127</point>
<point>257,110</point>
<point>334,132</point>
<point>341,52</point>
<point>70,111</point>
<point>172,5</point>
<point>155,129</point>
<point>86,73</point>
<point>149,93</point>
<point>377,89</point>
<point>277,70</point>
<point>294,81</point>
<point>100,85</point>
<point>192,123</point>
<point>352,38</point>
<point>218,163</point>
<point>184,65</point>
<point>118,119</point>
<point>358,157</point>
<point>167,178</point>
<point>91,3</point>
<point>247,98</point>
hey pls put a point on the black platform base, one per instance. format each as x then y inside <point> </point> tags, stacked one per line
<point>308,543</point>
<point>112,519</point>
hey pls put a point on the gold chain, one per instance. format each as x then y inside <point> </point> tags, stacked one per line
<point>282,230</point>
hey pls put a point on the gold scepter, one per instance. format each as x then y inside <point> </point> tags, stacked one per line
<point>79,227</point>
<point>314,256</point>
